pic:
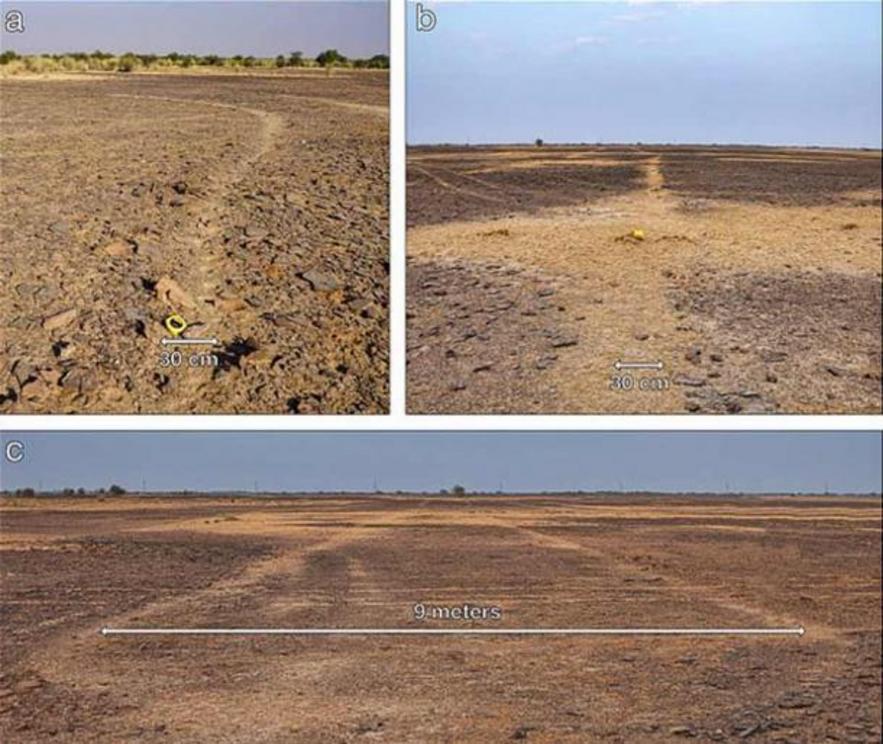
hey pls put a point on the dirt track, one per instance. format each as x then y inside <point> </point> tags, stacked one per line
<point>71,567</point>
<point>253,206</point>
<point>757,282</point>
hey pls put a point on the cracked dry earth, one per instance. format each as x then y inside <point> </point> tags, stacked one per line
<point>256,207</point>
<point>757,283</point>
<point>71,567</point>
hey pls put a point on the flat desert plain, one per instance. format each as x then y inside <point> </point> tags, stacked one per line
<point>253,206</point>
<point>752,275</point>
<point>72,567</point>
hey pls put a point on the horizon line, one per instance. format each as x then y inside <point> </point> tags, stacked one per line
<point>602,143</point>
<point>446,492</point>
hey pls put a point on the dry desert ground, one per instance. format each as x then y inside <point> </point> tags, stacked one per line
<point>752,275</point>
<point>73,566</point>
<point>253,206</point>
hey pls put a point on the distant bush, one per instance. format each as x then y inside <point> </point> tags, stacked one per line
<point>116,490</point>
<point>330,58</point>
<point>379,62</point>
<point>132,62</point>
<point>458,490</point>
<point>127,63</point>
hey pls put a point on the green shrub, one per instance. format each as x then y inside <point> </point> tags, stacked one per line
<point>378,62</point>
<point>330,57</point>
<point>127,63</point>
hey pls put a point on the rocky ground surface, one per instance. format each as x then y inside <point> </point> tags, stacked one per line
<point>489,330</point>
<point>254,207</point>
<point>752,276</point>
<point>820,328</point>
<point>70,567</point>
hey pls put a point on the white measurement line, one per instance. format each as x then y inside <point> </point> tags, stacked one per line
<point>190,342</point>
<point>798,631</point>
<point>637,365</point>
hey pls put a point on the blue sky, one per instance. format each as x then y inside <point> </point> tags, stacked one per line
<point>261,29</point>
<point>515,461</point>
<point>798,73</point>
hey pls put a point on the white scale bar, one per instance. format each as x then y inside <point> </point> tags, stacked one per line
<point>638,365</point>
<point>798,631</point>
<point>189,341</point>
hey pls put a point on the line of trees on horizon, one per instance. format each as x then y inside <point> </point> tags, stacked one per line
<point>455,490</point>
<point>130,61</point>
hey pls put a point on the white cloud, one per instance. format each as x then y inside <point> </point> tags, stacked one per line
<point>589,40</point>
<point>638,16</point>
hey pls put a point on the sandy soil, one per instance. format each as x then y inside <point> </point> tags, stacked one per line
<point>71,567</point>
<point>756,283</point>
<point>255,207</point>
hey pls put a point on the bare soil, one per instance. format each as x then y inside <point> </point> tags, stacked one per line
<point>71,567</point>
<point>255,207</point>
<point>755,280</point>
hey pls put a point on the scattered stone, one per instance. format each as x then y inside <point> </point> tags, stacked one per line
<point>253,232</point>
<point>750,731</point>
<point>796,703</point>
<point>119,248</point>
<point>173,294</point>
<point>562,341</point>
<point>642,336</point>
<point>231,304</point>
<point>60,320</point>
<point>835,371</point>
<point>682,731</point>
<point>321,281</point>
<point>79,379</point>
<point>773,356</point>
<point>147,250</point>
<point>688,381</point>
<point>522,732</point>
<point>694,355</point>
